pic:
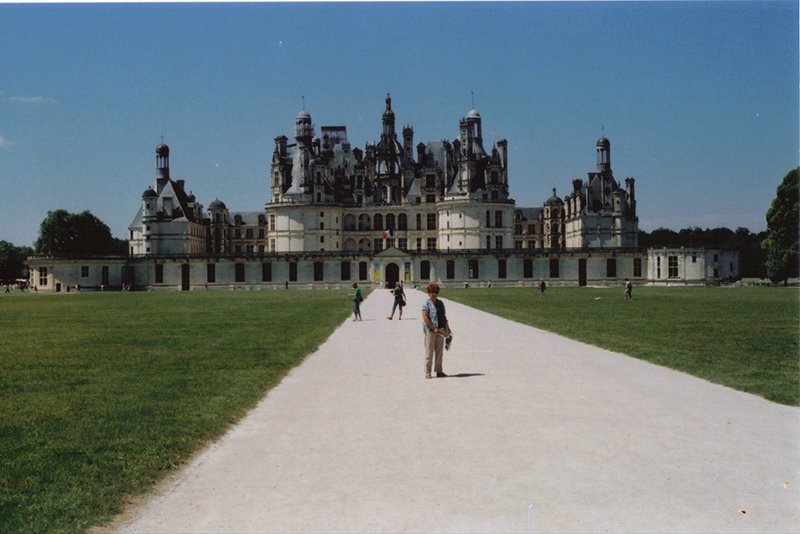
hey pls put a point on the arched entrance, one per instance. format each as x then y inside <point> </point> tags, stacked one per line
<point>392,274</point>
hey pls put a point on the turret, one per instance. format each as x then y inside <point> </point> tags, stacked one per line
<point>162,166</point>
<point>303,128</point>
<point>603,155</point>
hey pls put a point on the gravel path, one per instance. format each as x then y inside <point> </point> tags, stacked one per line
<point>532,432</point>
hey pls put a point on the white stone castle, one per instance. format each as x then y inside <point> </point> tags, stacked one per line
<point>336,214</point>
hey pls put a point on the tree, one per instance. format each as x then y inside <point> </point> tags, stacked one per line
<point>12,261</point>
<point>67,234</point>
<point>783,221</point>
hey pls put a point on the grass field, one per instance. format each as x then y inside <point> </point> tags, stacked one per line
<point>744,338</point>
<point>102,394</point>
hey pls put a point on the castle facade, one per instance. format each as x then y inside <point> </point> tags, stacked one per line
<point>335,213</point>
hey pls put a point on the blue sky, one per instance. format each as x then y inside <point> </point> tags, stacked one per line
<point>699,99</point>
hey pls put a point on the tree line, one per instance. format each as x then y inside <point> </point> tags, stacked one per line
<point>772,253</point>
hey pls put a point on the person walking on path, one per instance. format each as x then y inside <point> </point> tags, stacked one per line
<point>399,300</point>
<point>628,289</point>
<point>542,287</point>
<point>435,329</point>
<point>357,298</point>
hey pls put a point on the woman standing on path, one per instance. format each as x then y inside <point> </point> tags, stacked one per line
<point>435,329</point>
<point>399,300</point>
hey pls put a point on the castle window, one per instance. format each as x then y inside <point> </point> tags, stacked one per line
<point>345,270</point>
<point>498,242</point>
<point>473,269</point>
<point>211,273</point>
<point>430,199</point>
<point>451,269</point>
<point>402,243</point>
<point>430,181</point>
<point>377,222</point>
<point>431,221</point>
<point>501,268</point>
<point>390,221</point>
<point>488,219</point>
<point>419,221</point>
<point>42,276</point>
<point>293,271</point>
<point>488,242</point>
<point>419,243</point>
<point>637,267</point>
<point>611,268</point>
<point>402,222</point>
<point>239,272</point>
<point>425,270</point>
<point>318,271</point>
<point>272,222</point>
<point>554,268</point>
<point>362,270</point>
<point>377,244</point>
<point>266,272</point>
<point>159,273</point>
<point>432,243</point>
<point>527,268</point>
<point>84,271</point>
<point>498,219</point>
<point>672,266</point>
<point>249,233</point>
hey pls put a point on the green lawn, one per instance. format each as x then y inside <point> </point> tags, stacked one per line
<point>744,338</point>
<point>101,394</point>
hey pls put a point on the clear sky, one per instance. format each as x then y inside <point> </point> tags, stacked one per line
<point>698,99</point>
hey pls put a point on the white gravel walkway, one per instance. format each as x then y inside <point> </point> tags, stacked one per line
<point>532,432</point>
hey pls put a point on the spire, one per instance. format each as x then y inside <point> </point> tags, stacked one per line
<point>388,121</point>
